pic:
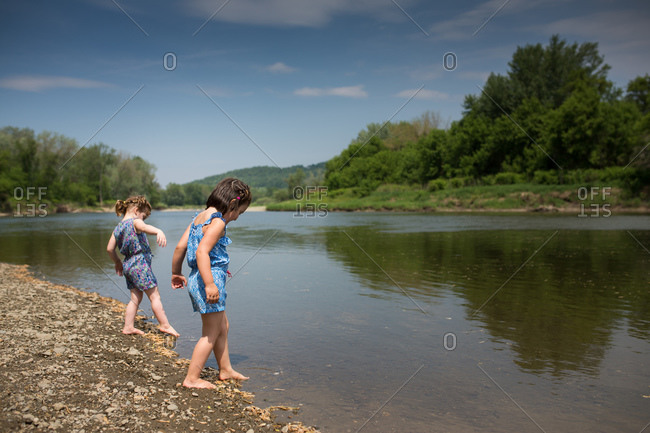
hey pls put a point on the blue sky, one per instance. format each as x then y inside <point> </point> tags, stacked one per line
<point>204,86</point>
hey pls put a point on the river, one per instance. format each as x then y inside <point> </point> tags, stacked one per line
<point>385,322</point>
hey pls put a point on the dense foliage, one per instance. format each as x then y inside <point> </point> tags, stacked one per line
<point>550,119</point>
<point>64,172</point>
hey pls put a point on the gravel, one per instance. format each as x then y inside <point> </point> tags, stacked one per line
<point>65,366</point>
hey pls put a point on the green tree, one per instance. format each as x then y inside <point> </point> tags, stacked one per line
<point>195,194</point>
<point>295,180</point>
<point>638,91</point>
<point>174,195</point>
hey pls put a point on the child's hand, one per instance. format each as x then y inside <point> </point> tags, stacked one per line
<point>212,293</point>
<point>178,281</point>
<point>118,268</point>
<point>161,239</point>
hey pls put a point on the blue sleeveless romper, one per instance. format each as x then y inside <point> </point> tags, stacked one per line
<point>218,263</point>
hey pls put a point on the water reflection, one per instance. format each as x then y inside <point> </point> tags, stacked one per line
<point>557,312</point>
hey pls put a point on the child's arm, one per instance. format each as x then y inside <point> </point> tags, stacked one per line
<point>210,238</point>
<point>110,249</point>
<point>151,230</point>
<point>178,280</point>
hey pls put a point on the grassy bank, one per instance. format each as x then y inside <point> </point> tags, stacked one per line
<point>518,197</point>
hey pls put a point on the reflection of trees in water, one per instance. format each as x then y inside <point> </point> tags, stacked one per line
<point>559,311</point>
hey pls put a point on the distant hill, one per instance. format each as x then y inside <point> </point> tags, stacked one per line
<point>266,176</point>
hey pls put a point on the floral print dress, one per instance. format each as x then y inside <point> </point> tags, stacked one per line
<point>135,248</point>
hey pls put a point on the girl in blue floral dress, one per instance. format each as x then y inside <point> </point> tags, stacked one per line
<point>130,237</point>
<point>204,242</point>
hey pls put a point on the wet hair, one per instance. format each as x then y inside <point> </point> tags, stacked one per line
<point>137,201</point>
<point>225,192</point>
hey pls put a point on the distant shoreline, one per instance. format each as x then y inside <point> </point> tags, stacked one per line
<point>565,210</point>
<point>112,210</point>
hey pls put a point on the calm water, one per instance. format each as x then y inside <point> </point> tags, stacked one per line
<point>408,322</point>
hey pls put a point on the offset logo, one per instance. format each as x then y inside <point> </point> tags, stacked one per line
<point>169,61</point>
<point>594,210</point>
<point>449,341</point>
<point>29,201</point>
<point>449,61</point>
<point>310,201</point>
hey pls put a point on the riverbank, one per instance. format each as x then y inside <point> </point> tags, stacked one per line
<point>522,198</point>
<point>64,209</point>
<point>66,367</point>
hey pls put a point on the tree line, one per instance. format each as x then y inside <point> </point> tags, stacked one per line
<point>68,173</point>
<point>52,168</point>
<point>268,184</point>
<point>553,118</point>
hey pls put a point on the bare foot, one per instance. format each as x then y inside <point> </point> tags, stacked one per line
<point>130,331</point>
<point>169,330</point>
<point>200,383</point>
<point>231,374</point>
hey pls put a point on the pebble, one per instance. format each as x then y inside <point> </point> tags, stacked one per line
<point>84,375</point>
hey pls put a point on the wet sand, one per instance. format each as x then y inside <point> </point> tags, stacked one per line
<point>65,366</point>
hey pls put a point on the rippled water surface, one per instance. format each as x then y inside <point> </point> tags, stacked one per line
<point>408,322</point>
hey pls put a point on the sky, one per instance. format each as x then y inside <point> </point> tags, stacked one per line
<point>201,87</point>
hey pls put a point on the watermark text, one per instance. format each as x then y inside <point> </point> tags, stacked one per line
<point>587,196</point>
<point>28,201</point>
<point>309,201</point>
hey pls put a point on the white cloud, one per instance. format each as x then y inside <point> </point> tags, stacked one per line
<point>481,76</point>
<point>422,94</point>
<point>471,23</point>
<point>280,68</point>
<point>618,25</point>
<point>348,92</point>
<point>621,35</point>
<point>293,12</point>
<point>34,83</point>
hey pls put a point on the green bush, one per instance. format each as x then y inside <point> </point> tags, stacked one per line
<point>437,185</point>
<point>459,182</point>
<point>545,177</point>
<point>508,178</point>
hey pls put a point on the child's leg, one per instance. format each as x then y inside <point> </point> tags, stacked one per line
<point>131,310</point>
<point>223,356</point>
<point>205,345</point>
<point>159,312</point>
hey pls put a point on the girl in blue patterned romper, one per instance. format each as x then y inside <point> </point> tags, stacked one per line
<point>205,243</point>
<point>130,237</point>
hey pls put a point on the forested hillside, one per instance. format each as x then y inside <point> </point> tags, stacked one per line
<point>268,184</point>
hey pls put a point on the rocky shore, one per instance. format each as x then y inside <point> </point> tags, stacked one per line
<point>65,366</point>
